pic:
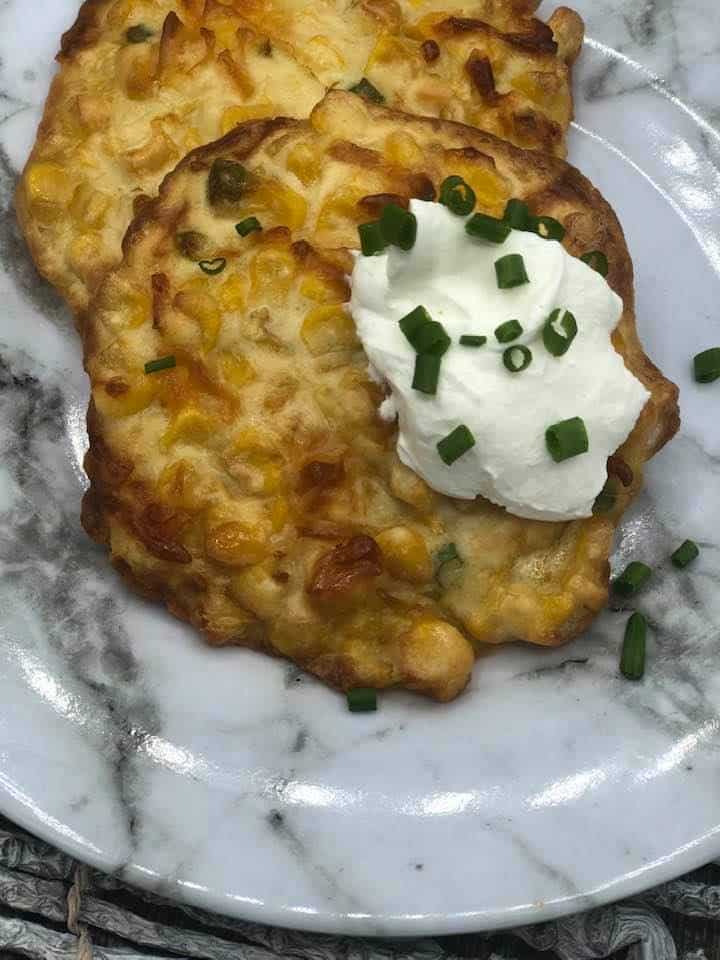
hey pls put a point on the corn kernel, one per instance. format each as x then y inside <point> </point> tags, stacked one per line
<point>287,207</point>
<point>203,308</point>
<point>89,206</point>
<point>255,589</point>
<point>388,50</point>
<point>317,288</point>
<point>271,273</point>
<point>304,162</point>
<point>328,328</point>
<point>490,188</point>
<point>254,439</point>
<point>403,150</point>
<point>279,513</point>
<point>236,544</point>
<point>177,485</point>
<point>48,189</point>
<point>190,425</point>
<point>237,370</point>
<point>116,403</point>
<point>233,293</point>
<point>405,554</point>
<point>83,254</point>
<point>232,116</point>
<point>323,57</point>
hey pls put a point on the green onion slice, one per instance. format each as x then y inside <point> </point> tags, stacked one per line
<point>685,554</point>
<point>399,226</point>
<point>447,563</point>
<point>634,576</point>
<point>510,271</point>
<point>432,338</point>
<point>413,322</point>
<point>455,444</point>
<point>362,700</point>
<point>567,439</point>
<point>446,553</point>
<point>517,215</point>
<point>365,89</point>
<point>559,332</point>
<point>605,501</point>
<point>483,227</point>
<point>138,34</point>
<point>457,195</point>
<point>548,228</point>
<point>247,226</point>
<point>508,331</point>
<point>706,365</point>
<point>472,340</point>
<point>517,358</point>
<point>597,260</point>
<point>162,363</point>
<point>213,267</point>
<point>372,238</point>
<point>427,372</point>
<point>632,659</point>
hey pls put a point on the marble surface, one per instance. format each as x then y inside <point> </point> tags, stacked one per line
<point>235,782</point>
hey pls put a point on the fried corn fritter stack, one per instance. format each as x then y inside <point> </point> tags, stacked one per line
<point>142,82</point>
<point>248,482</point>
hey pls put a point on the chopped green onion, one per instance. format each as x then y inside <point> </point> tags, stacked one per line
<point>372,238</point>
<point>510,271</point>
<point>431,338</point>
<point>517,215</point>
<point>227,181</point>
<point>362,700</point>
<point>365,89</point>
<point>427,372</point>
<point>248,225</point>
<point>163,363</point>
<point>472,340</point>
<point>597,260</point>
<point>457,195</point>
<point>213,267</point>
<point>707,365</point>
<point>446,553</point>
<point>559,332</point>
<point>510,330</point>
<point>685,554</point>
<point>483,227</point>
<point>632,659</point>
<point>566,439</point>
<point>413,322</point>
<point>138,34</point>
<point>399,226</point>
<point>517,358</point>
<point>548,228</point>
<point>634,576</point>
<point>605,501</point>
<point>455,444</point>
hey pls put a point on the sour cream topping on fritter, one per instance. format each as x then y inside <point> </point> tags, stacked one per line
<point>501,397</point>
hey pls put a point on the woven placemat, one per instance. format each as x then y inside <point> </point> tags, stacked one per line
<point>54,908</point>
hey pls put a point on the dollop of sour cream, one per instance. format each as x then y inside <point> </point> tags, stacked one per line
<point>453,276</point>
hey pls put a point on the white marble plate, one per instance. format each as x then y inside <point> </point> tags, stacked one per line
<point>234,782</point>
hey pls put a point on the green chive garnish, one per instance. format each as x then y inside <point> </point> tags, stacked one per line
<point>368,91</point>
<point>597,260</point>
<point>483,227</point>
<point>362,700</point>
<point>516,359</point>
<point>457,195</point>
<point>399,226</point>
<point>446,553</point>
<point>559,332</point>
<point>431,338</point>
<point>510,330</point>
<point>685,554</point>
<point>632,660</point>
<point>567,439</point>
<point>138,34</point>
<point>510,271</point>
<point>413,322</point>
<point>247,226</point>
<point>707,365</point>
<point>472,340</point>
<point>517,215</point>
<point>455,444</point>
<point>634,576</point>
<point>548,228</point>
<point>163,363</point>
<point>213,267</point>
<point>372,238</point>
<point>427,372</point>
<point>447,562</point>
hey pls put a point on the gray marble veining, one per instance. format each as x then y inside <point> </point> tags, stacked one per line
<point>237,782</point>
